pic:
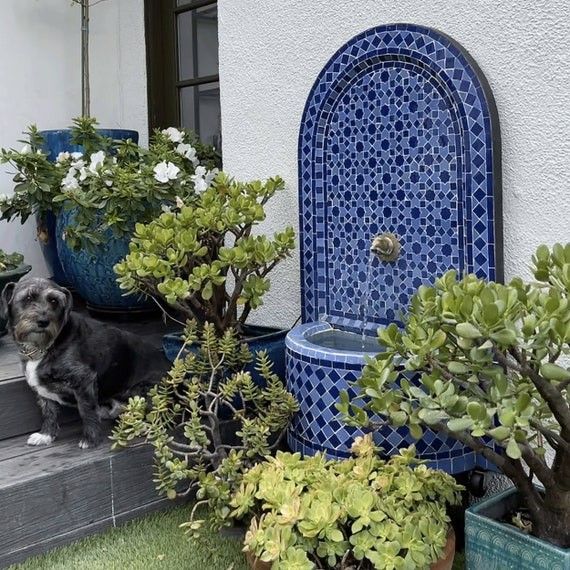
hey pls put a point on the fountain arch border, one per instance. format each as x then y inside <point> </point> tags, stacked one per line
<point>462,80</point>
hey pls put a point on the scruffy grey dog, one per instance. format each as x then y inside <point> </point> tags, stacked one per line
<point>70,360</point>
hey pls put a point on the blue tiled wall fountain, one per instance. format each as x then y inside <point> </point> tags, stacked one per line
<point>399,138</point>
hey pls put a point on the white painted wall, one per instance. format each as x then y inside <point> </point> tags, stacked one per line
<point>41,80</point>
<point>271,53</point>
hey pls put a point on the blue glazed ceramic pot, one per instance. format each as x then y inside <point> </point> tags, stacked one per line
<point>56,141</point>
<point>90,271</point>
<point>257,338</point>
<point>493,545</point>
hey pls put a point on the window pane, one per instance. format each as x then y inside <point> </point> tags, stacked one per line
<point>198,42</point>
<point>200,111</point>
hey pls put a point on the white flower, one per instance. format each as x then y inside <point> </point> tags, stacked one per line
<point>62,156</point>
<point>70,182</point>
<point>83,173</point>
<point>173,134</point>
<point>4,198</point>
<point>189,152</point>
<point>109,183</point>
<point>78,164</point>
<point>179,202</point>
<point>76,155</point>
<point>97,159</point>
<point>202,178</point>
<point>26,149</point>
<point>165,171</point>
<point>39,151</point>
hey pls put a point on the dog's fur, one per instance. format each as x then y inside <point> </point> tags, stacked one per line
<point>75,361</point>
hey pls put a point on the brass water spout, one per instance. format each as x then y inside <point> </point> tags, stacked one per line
<point>386,247</point>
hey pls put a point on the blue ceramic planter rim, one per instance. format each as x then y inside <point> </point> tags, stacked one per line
<point>267,333</point>
<point>62,131</point>
<point>477,511</point>
<point>19,271</point>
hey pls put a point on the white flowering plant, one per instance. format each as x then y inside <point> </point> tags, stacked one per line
<point>110,185</point>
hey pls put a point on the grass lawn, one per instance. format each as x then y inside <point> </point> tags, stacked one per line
<point>152,543</point>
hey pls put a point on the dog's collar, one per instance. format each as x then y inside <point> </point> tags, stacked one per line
<point>31,351</point>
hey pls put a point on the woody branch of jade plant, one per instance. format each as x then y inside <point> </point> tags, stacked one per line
<point>490,362</point>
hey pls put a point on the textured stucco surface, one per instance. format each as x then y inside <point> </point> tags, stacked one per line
<point>41,79</point>
<point>271,53</point>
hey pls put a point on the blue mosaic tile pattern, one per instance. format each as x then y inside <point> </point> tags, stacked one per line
<point>399,135</point>
<point>396,136</point>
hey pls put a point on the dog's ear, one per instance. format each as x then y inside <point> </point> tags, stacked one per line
<point>6,299</point>
<point>68,302</point>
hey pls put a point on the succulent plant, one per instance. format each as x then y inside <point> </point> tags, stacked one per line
<point>9,261</point>
<point>203,260</point>
<point>363,512</point>
<point>208,421</point>
<point>490,369</point>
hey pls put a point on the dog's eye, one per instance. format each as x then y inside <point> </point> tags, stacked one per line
<point>29,298</point>
<point>54,302</point>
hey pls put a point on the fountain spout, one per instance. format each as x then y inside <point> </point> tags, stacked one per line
<point>386,247</point>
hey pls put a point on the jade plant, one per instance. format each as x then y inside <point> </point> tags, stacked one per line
<point>362,512</point>
<point>202,258</point>
<point>10,261</point>
<point>489,367</point>
<point>208,421</point>
<point>109,185</point>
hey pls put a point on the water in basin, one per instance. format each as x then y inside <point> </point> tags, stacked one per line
<point>343,340</point>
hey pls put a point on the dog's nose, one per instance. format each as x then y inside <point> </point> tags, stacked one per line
<point>43,323</point>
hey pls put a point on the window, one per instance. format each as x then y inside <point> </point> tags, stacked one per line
<point>183,80</point>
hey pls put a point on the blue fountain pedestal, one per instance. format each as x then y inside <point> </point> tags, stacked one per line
<point>399,137</point>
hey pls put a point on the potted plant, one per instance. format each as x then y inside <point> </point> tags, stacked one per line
<point>363,512</point>
<point>99,194</point>
<point>204,262</point>
<point>491,367</point>
<point>207,420</point>
<point>12,268</point>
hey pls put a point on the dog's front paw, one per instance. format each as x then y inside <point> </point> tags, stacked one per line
<point>39,438</point>
<point>88,443</point>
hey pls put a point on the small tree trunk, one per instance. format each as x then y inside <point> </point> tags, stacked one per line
<point>552,520</point>
<point>85,85</point>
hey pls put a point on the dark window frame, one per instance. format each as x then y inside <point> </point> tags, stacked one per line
<point>163,85</point>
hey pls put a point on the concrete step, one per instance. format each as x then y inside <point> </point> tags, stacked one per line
<point>53,495</point>
<point>19,412</point>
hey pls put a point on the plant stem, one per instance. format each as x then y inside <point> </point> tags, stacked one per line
<point>85,79</point>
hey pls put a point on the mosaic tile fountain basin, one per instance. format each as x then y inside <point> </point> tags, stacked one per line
<point>322,362</point>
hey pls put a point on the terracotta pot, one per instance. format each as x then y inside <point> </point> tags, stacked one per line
<point>444,563</point>
<point>446,560</point>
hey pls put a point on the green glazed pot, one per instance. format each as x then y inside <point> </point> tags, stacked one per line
<point>493,545</point>
<point>11,277</point>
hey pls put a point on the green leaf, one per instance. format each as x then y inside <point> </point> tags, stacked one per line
<point>504,337</point>
<point>457,367</point>
<point>513,450</point>
<point>500,433</point>
<point>467,330</point>
<point>554,372</point>
<point>460,424</point>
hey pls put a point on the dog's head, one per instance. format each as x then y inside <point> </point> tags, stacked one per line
<point>36,310</point>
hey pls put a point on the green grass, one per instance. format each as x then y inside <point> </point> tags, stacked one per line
<point>152,543</point>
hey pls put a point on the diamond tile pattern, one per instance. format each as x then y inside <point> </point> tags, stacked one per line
<point>396,136</point>
<point>399,134</point>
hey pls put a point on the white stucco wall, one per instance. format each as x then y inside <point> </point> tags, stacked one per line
<point>271,53</point>
<point>41,79</point>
